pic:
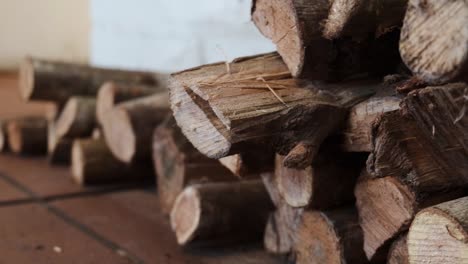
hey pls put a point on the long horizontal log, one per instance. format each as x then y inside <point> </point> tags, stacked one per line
<point>113,93</point>
<point>58,81</point>
<point>221,213</point>
<point>77,119</point>
<point>128,128</point>
<point>254,102</point>
<point>93,163</point>
<point>27,135</point>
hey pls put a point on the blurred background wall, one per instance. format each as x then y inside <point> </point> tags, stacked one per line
<point>55,29</point>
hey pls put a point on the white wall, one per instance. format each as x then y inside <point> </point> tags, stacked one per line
<point>170,35</point>
<point>55,29</point>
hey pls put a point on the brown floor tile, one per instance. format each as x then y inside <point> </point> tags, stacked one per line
<point>132,220</point>
<point>10,193</point>
<point>29,234</point>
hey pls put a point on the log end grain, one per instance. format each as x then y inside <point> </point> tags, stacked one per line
<point>28,135</point>
<point>119,134</point>
<point>26,78</point>
<point>78,117</point>
<point>186,214</point>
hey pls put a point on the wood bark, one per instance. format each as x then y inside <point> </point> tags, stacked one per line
<point>27,135</point>
<point>3,137</point>
<point>295,26</point>
<point>386,208</point>
<point>93,163</point>
<point>77,119</point>
<point>128,128</point>
<point>254,103</point>
<point>178,164</point>
<point>398,253</point>
<point>113,93</point>
<point>329,237</point>
<point>326,183</point>
<point>221,213</point>
<point>433,40</point>
<point>58,148</point>
<point>58,81</point>
<point>439,234</point>
<point>426,142</point>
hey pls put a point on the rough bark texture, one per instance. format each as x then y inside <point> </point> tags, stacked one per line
<point>440,234</point>
<point>426,142</point>
<point>128,128</point>
<point>77,119</point>
<point>434,39</point>
<point>254,102</point>
<point>113,93</point>
<point>398,253</point>
<point>329,237</point>
<point>386,208</point>
<point>58,148</point>
<point>178,164</point>
<point>93,163</point>
<point>295,26</point>
<point>326,183</point>
<point>58,81</point>
<point>221,213</point>
<point>28,135</point>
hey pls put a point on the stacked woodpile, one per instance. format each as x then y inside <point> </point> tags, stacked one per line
<point>347,145</point>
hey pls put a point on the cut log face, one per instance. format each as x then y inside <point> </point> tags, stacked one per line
<point>424,45</point>
<point>329,237</point>
<point>93,163</point>
<point>112,93</point>
<point>28,136</point>
<point>425,142</point>
<point>178,164</point>
<point>223,114</point>
<point>129,127</point>
<point>221,213</point>
<point>281,229</point>
<point>398,253</point>
<point>57,81</point>
<point>440,234</point>
<point>58,149</point>
<point>78,118</point>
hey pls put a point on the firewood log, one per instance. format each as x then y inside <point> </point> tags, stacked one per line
<point>249,164</point>
<point>386,208</point>
<point>254,102</point>
<point>58,148</point>
<point>112,93</point>
<point>77,119</point>
<point>221,213</point>
<point>178,164</point>
<point>3,137</point>
<point>439,234</point>
<point>57,81</point>
<point>398,253</point>
<point>433,40</point>
<point>296,27</point>
<point>128,128</point>
<point>327,183</point>
<point>329,237</point>
<point>27,135</point>
<point>93,163</point>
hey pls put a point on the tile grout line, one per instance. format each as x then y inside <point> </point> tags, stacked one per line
<point>70,221</point>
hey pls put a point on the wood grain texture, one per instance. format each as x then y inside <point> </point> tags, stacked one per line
<point>398,253</point>
<point>434,40</point>
<point>439,234</point>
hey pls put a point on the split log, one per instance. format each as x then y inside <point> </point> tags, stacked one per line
<point>93,163</point>
<point>3,137</point>
<point>128,128</point>
<point>28,135</point>
<point>58,148</point>
<point>295,26</point>
<point>221,213</point>
<point>329,237</point>
<point>258,104</point>
<point>112,93</point>
<point>58,81</point>
<point>440,234</point>
<point>77,119</point>
<point>426,142</point>
<point>325,184</point>
<point>398,253</point>
<point>178,164</point>
<point>386,208</point>
<point>433,40</point>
